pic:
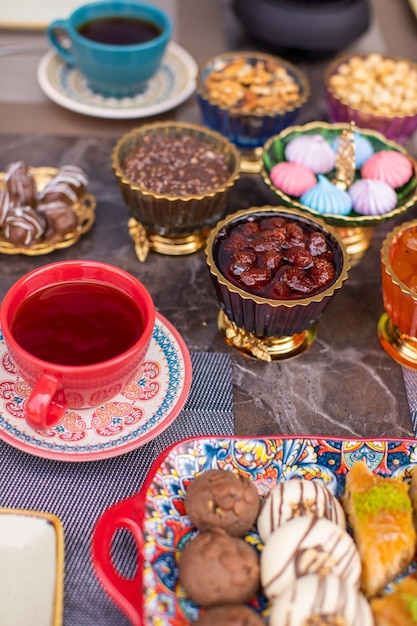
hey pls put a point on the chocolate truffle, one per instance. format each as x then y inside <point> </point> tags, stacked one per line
<point>229,615</point>
<point>60,218</point>
<point>216,568</point>
<point>21,184</point>
<point>5,205</point>
<point>23,226</point>
<point>222,499</point>
<point>68,185</point>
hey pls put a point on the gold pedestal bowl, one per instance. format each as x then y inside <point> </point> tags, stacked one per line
<point>356,230</point>
<point>161,221</point>
<point>275,318</point>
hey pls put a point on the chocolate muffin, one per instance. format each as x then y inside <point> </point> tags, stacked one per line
<point>229,615</point>
<point>216,568</point>
<point>222,499</point>
<point>20,184</point>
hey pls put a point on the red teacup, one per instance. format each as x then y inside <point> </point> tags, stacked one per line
<point>77,332</point>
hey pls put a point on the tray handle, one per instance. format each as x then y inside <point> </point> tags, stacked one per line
<point>127,593</point>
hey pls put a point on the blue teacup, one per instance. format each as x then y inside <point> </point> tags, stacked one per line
<point>117,45</point>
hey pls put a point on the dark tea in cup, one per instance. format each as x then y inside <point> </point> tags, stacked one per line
<point>119,31</point>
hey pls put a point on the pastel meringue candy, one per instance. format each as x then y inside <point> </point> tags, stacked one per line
<point>390,166</point>
<point>372,197</point>
<point>312,151</point>
<point>293,498</point>
<point>308,545</point>
<point>327,199</point>
<point>363,148</point>
<point>292,178</point>
<point>315,599</point>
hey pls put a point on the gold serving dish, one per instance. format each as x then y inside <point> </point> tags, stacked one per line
<point>84,208</point>
<point>355,230</point>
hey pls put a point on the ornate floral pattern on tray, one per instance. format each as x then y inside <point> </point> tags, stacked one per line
<point>138,414</point>
<point>162,527</point>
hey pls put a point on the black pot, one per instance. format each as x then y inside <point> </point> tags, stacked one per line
<point>316,26</point>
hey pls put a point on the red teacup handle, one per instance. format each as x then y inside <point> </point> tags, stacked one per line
<point>46,405</point>
<point>125,592</point>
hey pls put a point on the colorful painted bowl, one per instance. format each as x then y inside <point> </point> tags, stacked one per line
<point>271,108</point>
<point>271,327</point>
<point>375,91</point>
<point>167,222</point>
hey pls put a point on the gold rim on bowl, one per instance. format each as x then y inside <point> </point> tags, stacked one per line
<point>290,212</point>
<point>126,143</point>
<point>300,77</point>
<point>332,219</point>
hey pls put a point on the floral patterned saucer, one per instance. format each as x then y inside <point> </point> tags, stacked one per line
<point>157,520</point>
<point>142,411</point>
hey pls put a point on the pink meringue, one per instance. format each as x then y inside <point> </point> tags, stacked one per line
<point>292,178</point>
<point>313,152</point>
<point>372,197</point>
<point>390,166</point>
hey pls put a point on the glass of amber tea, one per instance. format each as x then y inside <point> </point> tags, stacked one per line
<point>397,327</point>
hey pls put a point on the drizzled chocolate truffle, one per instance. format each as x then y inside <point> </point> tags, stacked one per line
<point>60,218</point>
<point>5,204</point>
<point>222,499</point>
<point>216,568</point>
<point>229,615</point>
<point>67,186</point>
<point>20,184</point>
<point>23,226</point>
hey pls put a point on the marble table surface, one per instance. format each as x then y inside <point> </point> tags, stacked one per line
<point>343,385</point>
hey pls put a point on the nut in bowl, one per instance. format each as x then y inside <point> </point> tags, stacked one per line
<point>374,91</point>
<point>397,328</point>
<point>354,178</point>
<point>250,96</point>
<point>274,270</point>
<point>175,178</point>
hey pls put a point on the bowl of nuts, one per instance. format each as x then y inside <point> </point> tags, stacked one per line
<point>375,91</point>
<point>250,96</point>
<point>175,178</point>
<point>274,270</point>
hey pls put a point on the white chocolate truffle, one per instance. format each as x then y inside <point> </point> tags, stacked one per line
<point>294,498</point>
<point>307,545</point>
<point>328,599</point>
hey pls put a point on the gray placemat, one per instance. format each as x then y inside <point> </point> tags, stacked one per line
<point>78,493</point>
<point>410,381</point>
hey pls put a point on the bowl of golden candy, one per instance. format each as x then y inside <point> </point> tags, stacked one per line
<point>375,91</point>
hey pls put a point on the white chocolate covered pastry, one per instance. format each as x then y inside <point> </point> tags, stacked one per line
<point>293,498</point>
<point>318,600</point>
<point>308,545</point>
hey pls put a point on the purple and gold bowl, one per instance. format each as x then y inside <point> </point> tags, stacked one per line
<point>376,92</point>
<point>271,328</point>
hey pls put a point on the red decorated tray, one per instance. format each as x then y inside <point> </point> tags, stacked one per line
<point>156,519</point>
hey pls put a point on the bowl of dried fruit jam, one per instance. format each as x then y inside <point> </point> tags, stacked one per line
<point>248,97</point>
<point>397,327</point>
<point>274,271</point>
<point>175,178</point>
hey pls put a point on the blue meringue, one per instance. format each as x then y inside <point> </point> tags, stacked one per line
<point>327,199</point>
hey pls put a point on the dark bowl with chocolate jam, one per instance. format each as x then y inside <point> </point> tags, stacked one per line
<point>175,177</point>
<point>274,269</point>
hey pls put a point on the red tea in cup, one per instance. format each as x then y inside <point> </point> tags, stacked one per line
<point>77,323</point>
<point>77,332</point>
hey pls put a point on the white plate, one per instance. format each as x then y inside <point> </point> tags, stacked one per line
<point>172,84</point>
<point>144,409</point>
